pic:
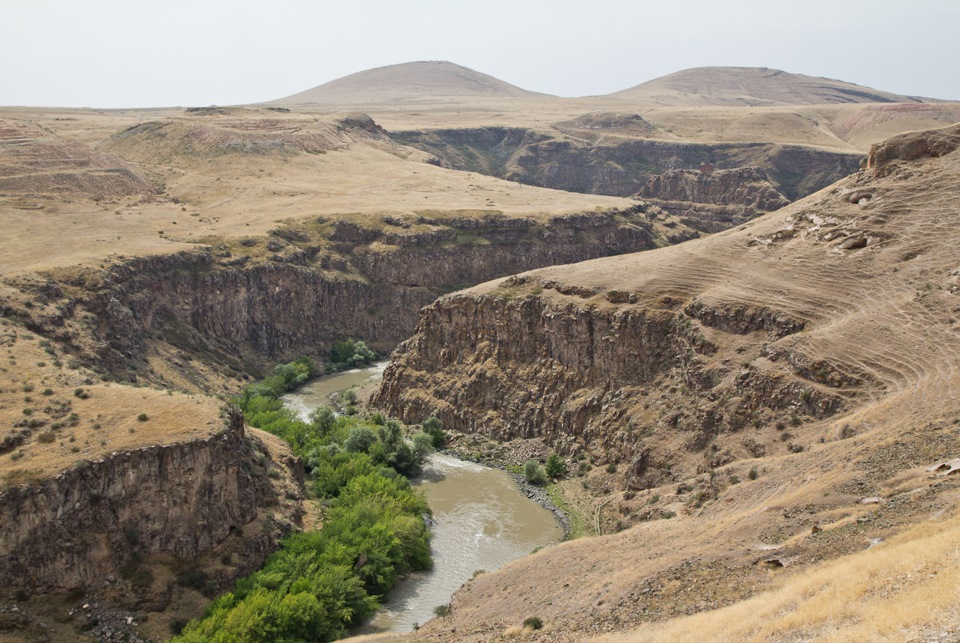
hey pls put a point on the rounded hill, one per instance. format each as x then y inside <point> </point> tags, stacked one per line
<point>425,80</point>
<point>723,86</point>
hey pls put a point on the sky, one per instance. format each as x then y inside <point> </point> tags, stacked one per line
<point>157,53</point>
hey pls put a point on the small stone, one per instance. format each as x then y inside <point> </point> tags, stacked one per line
<point>854,243</point>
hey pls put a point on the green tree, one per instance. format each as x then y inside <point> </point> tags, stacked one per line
<point>434,427</point>
<point>556,466</point>
<point>360,440</point>
<point>422,445</point>
<point>323,418</point>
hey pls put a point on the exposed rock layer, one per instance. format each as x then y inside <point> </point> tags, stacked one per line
<point>307,292</point>
<point>620,167</point>
<point>746,186</point>
<point>91,522</point>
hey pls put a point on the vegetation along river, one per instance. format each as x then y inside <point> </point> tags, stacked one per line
<point>482,520</point>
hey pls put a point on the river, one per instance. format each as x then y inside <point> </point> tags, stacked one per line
<point>482,520</point>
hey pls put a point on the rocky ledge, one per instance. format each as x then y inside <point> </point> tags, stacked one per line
<point>96,522</point>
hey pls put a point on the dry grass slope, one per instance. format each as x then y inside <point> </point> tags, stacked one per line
<point>753,86</point>
<point>415,81</point>
<point>882,311</point>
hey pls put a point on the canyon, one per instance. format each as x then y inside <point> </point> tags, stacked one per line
<point>778,355</point>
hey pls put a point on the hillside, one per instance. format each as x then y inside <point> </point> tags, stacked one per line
<point>414,81</point>
<point>726,86</point>
<point>746,410</point>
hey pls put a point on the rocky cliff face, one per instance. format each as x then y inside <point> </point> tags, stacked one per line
<point>586,371</point>
<point>97,522</point>
<point>749,187</point>
<point>621,166</point>
<point>713,200</point>
<point>263,300</point>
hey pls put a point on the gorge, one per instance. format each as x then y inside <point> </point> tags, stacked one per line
<point>734,322</point>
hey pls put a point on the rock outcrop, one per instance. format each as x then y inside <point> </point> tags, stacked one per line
<point>911,146</point>
<point>749,187</point>
<point>620,166</point>
<point>101,518</point>
<point>307,287</point>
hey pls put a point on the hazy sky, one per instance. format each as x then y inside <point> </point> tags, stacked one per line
<point>138,53</point>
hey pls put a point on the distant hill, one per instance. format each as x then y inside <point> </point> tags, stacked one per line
<point>407,81</point>
<point>731,86</point>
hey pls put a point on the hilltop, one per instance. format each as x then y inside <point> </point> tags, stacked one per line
<point>414,81</point>
<point>726,86</point>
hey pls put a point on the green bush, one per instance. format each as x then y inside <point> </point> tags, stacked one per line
<point>533,623</point>
<point>323,418</point>
<point>349,353</point>
<point>534,473</point>
<point>360,440</point>
<point>556,466</point>
<point>434,428</point>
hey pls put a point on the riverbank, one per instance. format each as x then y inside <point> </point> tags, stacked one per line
<point>482,516</point>
<point>536,493</point>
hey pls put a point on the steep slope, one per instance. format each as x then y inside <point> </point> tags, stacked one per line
<point>779,389</point>
<point>622,165</point>
<point>109,490</point>
<point>414,81</point>
<point>752,86</point>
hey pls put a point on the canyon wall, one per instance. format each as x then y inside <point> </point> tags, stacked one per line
<point>595,372</point>
<point>746,186</point>
<point>621,166</point>
<point>98,520</point>
<point>299,291</point>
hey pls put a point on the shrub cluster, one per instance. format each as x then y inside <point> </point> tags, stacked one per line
<point>534,473</point>
<point>349,353</point>
<point>322,582</point>
<point>285,377</point>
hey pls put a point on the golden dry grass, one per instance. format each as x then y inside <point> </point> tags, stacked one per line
<point>102,419</point>
<point>903,589</point>
<point>887,313</point>
<point>211,193</point>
